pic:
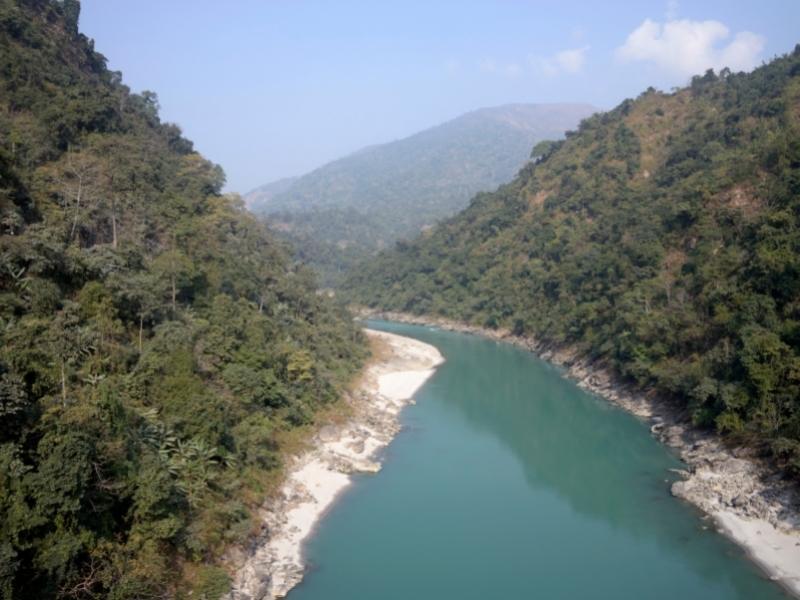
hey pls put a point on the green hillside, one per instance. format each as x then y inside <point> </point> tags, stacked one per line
<point>661,239</point>
<point>158,348</point>
<point>352,207</point>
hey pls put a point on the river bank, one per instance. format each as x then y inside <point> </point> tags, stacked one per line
<point>747,499</point>
<point>275,563</point>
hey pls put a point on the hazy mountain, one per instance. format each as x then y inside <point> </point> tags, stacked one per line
<point>263,195</point>
<point>352,206</point>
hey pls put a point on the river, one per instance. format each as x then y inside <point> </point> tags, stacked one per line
<point>509,482</point>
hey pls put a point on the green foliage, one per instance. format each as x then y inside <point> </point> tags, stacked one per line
<point>544,149</point>
<point>212,583</point>
<point>662,239</point>
<point>157,342</point>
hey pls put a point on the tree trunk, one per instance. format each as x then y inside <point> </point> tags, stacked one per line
<point>172,274</point>
<point>141,327</point>
<point>77,208</point>
<point>63,384</point>
<point>114,224</point>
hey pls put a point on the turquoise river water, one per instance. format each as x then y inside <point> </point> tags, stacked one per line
<point>509,482</point>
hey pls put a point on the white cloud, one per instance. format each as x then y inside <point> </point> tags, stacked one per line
<point>571,61</point>
<point>566,61</point>
<point>489,65</point>
<point>684,47</point>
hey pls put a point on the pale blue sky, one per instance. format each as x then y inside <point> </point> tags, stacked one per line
<point>271,88</point>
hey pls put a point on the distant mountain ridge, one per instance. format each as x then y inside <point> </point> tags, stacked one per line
<point>463,137</point>
<point>353,206</point>
<point>263,194</point>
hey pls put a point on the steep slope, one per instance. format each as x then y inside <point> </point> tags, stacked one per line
<point>662,239</point>
<point>157,348</point>
<point>356,205</point>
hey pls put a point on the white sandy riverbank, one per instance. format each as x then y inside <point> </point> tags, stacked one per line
<point>317,477</point>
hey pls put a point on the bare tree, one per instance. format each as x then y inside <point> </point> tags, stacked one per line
<point>80,184</point>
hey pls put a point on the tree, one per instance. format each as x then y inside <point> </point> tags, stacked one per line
<point>173,269</point>
<point>68,342</point>
<point>78,181</point>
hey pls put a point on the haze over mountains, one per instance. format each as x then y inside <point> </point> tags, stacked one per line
<point>263,195</point>
<point>351,207</point>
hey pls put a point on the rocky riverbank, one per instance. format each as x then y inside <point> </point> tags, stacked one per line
<point>275,564</point>
<point>747,498</point>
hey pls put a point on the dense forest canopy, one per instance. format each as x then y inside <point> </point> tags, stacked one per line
<point>158,344</point>
<point>661,239</point>
<point>352,207</point>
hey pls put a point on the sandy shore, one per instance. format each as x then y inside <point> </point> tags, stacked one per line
<point>750,502</point>
<point>316,478</point>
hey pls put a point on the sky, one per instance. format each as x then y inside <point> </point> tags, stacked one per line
<point>275,88</point>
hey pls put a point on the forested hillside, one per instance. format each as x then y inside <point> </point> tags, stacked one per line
<point>354,206</point>
<point>158,346</point>
<point>661,239</point>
